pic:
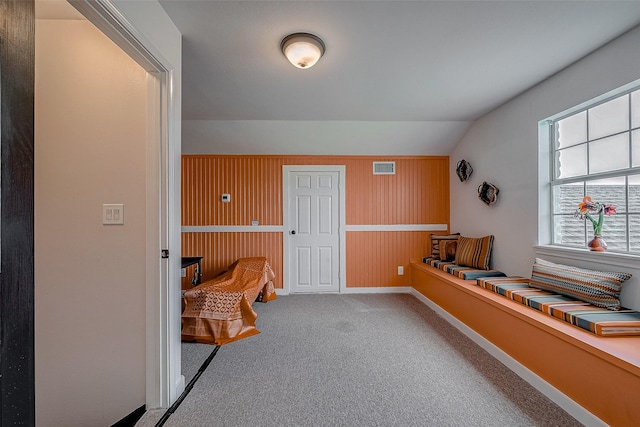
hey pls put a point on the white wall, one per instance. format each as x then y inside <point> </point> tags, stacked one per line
<point>502,148</point>
<point>90,279</point>
<point>346,138</point>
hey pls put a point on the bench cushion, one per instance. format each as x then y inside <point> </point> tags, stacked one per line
<point>468,273</point>
<point>597,320</point>
<point>604,322</point>
<point>436,262</point>
<point>461,271</point>
<point>504,286</point>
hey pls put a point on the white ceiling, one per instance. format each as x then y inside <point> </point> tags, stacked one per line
<point>385,60</point>
<point>436,64</point>
<point>398,77</point>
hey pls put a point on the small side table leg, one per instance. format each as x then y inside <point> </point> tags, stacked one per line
<point>197,275</point>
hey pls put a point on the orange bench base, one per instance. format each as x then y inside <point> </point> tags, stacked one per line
<point>602,375</point>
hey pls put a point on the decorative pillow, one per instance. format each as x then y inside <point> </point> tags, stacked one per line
<point>448,250</point>
<point>474,252</point>
<point>435,242</point>
<point>598,288</point>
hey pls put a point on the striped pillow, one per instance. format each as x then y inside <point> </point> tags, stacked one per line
<point>476,253</point>
<point>448,250</point>
<point>435,242</point>
<point>598,288</point>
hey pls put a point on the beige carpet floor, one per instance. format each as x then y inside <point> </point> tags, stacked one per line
<point>358,360</point>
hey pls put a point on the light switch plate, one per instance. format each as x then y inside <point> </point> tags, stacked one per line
<point>113,214</point>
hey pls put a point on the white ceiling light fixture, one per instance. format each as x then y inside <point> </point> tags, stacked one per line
<point>303,50</point>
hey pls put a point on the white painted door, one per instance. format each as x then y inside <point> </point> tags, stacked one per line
<point>314,239</point>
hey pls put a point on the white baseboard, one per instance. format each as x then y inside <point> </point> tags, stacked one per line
<point>559,398</point>
<point>180,385</point>
<point>376,290</point>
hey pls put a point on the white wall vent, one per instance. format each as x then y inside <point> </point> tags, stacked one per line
<point>384,168</point>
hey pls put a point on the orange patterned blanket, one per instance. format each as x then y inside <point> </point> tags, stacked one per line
<point>219,311</point>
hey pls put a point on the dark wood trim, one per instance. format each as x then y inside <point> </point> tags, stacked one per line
<point>17,380</point>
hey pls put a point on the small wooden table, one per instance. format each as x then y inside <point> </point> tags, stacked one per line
<point>188,261</point>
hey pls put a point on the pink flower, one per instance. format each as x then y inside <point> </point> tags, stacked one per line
<point>599,210</point>
<point>587,205</point>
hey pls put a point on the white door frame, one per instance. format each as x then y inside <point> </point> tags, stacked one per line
<point>287,222</point>
<point>164,379</point>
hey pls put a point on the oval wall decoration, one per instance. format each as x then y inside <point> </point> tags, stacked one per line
<point>488,193</point>
<point>463,170</point>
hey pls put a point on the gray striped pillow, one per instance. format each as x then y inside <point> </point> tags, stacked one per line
<point>598,288</point>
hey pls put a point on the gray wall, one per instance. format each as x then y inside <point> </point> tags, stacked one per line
<point>502,148</point>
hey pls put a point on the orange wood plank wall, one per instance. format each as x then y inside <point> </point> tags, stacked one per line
<point>417,194</point>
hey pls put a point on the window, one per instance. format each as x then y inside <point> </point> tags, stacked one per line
<point>595,151</point>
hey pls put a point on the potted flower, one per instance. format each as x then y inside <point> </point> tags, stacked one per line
<point>595,212</point>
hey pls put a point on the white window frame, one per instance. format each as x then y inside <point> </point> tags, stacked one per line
<point>546,175</point>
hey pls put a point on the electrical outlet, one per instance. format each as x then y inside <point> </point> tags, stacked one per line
<point>183,272</point>
<point>400,270</point>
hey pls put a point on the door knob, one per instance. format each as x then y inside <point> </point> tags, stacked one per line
<point>293,231</point>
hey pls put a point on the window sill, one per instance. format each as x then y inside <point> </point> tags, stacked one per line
<point>610,258</point>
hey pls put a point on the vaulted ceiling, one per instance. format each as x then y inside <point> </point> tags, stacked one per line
<point>398,77</point>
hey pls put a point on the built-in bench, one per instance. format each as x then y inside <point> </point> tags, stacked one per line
<point>600,374</point>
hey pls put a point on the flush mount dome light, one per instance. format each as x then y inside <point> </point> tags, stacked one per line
<point>302,49</point>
